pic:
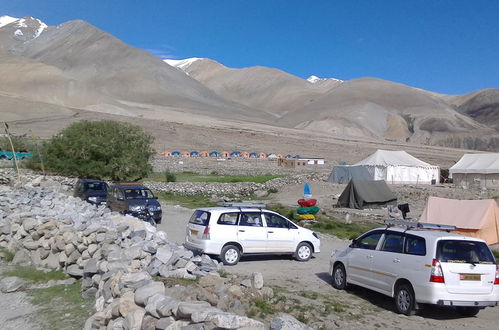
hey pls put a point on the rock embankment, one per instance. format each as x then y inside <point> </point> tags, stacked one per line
<point>123,262</point>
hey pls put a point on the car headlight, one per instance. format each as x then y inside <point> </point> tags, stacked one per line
<point>92,199</point>
<point>154,208</point>
<point>135,208</point>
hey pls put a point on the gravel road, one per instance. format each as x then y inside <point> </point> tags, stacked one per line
<point>313,276</point>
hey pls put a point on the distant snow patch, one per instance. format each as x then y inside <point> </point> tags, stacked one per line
<point>40,29</point>
<point>21,23</point>
<point>18,32</point>
<point>314,79</point>
<point>4,20</point>
<point>182,64</point>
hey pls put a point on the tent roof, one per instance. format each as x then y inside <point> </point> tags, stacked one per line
<point>392,158</point>
<point>477,163</point>
<point>359,193</point>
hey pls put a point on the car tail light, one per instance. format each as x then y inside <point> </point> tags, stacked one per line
<point>496,280</point>
<point>206,232</point>
<point>437,275</point>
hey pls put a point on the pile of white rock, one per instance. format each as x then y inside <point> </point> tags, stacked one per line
<point>122,262</point>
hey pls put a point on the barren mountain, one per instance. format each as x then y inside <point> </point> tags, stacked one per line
<point>270,90</point>
<point>482,106</point>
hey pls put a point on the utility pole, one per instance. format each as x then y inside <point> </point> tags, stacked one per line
<point>6,126</point>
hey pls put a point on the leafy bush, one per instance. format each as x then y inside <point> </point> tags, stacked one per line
<point>170,176</point>
<point>101,150</point>
<point>21,144</point>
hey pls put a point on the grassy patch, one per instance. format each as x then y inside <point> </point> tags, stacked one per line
<point>32,275</point>
<point>213,177</point>
<point>61,306</point>
<point>190,201</point>
<point>172,281</point>
<point>262,308</point>
<point>343,230</point>
<point>309,294</point>
<point>6,255</point>
<point>287,211</point>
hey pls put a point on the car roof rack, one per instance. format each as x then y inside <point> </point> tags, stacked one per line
<point>242,205</point>
<point>418,225</point>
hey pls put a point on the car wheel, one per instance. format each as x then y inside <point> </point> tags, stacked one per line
<point>467,311</point>
<point>405,300</point>
<point>230,255</point>
<point>339,277</point>
<point>303,252</point>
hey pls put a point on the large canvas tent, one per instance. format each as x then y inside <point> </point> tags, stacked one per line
<point>360,194</point>
<point>476,170</point>
<point>395,167</point>
<point>476,218</point>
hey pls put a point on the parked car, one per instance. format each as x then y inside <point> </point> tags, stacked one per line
<point>237,229</point>
<point>134,199</point>
<point>92,191</point>
<point>416,265</point>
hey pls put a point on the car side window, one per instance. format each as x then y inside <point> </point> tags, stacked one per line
<point>253,219</point>
<point>393,242</point>
<point>415,245</point>
<point>369,242</point>
<point>275,221</point>
<point>228,219</point>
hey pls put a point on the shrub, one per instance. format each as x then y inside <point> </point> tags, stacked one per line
<point>100,149</point>
<point>170,176</point>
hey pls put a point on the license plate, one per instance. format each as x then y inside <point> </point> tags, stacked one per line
<point>194,232</point>
<point>469,277</point>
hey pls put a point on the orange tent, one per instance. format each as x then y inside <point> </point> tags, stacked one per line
<point>166,153</point>
<point>225,154</point>
<point>186,154</point>
<point>262,155</point>
<point>203,154</point>
<point>476,218</point>
<point>245,154</point>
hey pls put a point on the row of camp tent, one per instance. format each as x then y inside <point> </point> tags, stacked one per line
<point>226,154</point>
<point>19,155</point>
<point>476,218</point>
<point>399,167</point>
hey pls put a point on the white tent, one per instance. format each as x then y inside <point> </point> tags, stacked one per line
<point>476,169</point>
<point>396,167</point>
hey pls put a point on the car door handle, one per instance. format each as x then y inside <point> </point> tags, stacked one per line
<point>370,256</point>
<point>241,231</point>
<point>396,260</point>
<point>270,232</point>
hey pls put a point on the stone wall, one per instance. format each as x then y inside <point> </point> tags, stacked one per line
<point>123,263</point>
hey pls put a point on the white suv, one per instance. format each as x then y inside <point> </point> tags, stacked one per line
<point>418,266</point>
<point>239,229</point>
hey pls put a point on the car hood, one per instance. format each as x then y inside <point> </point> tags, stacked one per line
<point>143,202</point>
<point>95,193</point>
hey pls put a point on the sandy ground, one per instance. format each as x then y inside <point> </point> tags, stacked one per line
<point>314,275</point>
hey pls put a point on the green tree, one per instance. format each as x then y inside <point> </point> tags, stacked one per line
<point>101,150</point>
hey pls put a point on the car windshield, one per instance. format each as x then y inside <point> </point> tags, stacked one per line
<point>100,186</point>
<point>138,193</point>
<point>459,251</point>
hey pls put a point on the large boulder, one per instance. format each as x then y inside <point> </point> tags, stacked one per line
<point>11,284</point>
<point>283,321</point>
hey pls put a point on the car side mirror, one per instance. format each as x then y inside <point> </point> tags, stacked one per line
<point>353,244</point>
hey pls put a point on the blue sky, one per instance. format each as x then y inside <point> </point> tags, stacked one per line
<point>449,46</point>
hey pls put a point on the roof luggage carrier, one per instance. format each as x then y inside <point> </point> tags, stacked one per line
<point>242,205</point>
<point>418,225</point>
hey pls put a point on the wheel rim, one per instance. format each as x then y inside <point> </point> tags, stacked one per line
<point>339,277</point>
<point>231,256</point>
<point>403,300</point>
<point>304,252</point>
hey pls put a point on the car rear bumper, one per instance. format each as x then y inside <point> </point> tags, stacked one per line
<point>458,303</point>
<point>204,246</point>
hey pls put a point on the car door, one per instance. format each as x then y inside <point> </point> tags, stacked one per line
<point>360,258</point>
<point>281,234</point>
<point>251,233</point>
<point>388,261</point>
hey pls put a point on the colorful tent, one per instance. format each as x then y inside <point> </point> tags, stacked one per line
<point>176,154</point>
<point>253,155</point>
<point>394,167</point>
<point>214,154</point>
<point>476,218</point>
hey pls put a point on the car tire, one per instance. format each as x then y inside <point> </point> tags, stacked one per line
<point>405,301</point>
<point>339,277</point>
<point>468,311</point>
<point>230,255</point>
<point>303,252</point>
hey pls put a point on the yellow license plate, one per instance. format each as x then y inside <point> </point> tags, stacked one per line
<point>194,232</point>
<point>470,277</point>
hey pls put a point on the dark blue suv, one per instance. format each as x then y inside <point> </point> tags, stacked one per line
<point>92,191</point>
<point>134,199</point>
